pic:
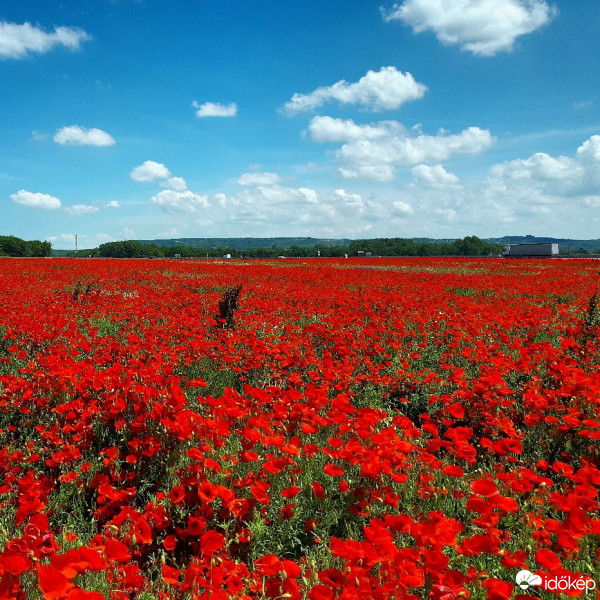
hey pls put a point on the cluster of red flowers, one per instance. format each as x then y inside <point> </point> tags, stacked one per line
<point>368,428</point>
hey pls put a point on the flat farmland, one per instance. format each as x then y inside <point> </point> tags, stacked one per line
<point>333,429</point>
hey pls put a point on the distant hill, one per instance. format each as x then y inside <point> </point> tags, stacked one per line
<point>245,243</point>
<point>248,243</point>
<point>565,245</point>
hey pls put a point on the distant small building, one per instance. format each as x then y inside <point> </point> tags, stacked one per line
<point>226,255</point>
<point>362,253</point>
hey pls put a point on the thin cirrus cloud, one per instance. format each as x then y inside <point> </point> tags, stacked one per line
<point>75,135</point>
<point>214,109</point>
<point>482,27</point>
<point>20,41</point>
<point>373,151</point>
<point>36,200</point>
<point>386,89</point>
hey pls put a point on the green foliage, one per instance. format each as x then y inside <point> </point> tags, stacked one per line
<point>468,246</point>
<point>592,316</point>
<point>106,327</point>
<point>11,245</point>
<point>128,249</point>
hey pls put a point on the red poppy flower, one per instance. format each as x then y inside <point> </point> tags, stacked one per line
<point>94,560</point>
<point>484,487</point>
<point>207,492</point>
<point>170,575</point>
<point>498,589</point>
<point>211,542</point>
<point>169,543</point>
<point>333,470</point>
<point>318,490</point>
<point>453,471</point>
<point>177,494</point>
<point>52,582</point>
<point>321,592</point>
<point>117,551</point>
<point>79,594</point>
<point>15,562</point>
<point>267,565</point>
<point>456,410</point>
<point>332,577</point>
<point>290,492</point>
<point>547,559</point>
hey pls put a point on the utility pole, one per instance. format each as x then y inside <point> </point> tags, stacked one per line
<point>75,242</point>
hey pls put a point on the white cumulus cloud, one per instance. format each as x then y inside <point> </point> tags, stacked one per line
<point>589,152</point>
<point>36,200</point>
<point>538,192</point>
<point>386,89</point>
<point>214,109</point>
<point>309,194</point>
<point>149,171</point>
<point>328,129</point>
<point>20,41</point>
<point>178,184</point>
<point>373,151</point>
<point>112,204</point>
<point>349,198</point>
<point>402,208</point>
<point>81,209</point>
<point>180,202</point>
<point>80,136</point>
<point>266,209</point>
<point>483,27</point>
<point>435,177</point>
<point>258,179</point>
<point>546,179</point>
<point>540,167</point>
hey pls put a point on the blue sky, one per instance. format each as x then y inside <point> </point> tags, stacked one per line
<point>141,119</point>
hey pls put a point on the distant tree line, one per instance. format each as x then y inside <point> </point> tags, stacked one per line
<point>14,246</point>
<point>468,246</point>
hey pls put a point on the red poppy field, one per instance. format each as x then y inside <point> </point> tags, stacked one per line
<point>360,428</point>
